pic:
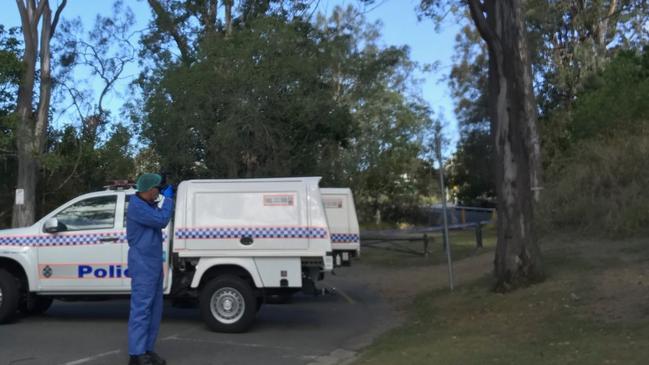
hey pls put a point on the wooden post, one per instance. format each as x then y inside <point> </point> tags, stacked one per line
<point>443,245</point>
<point>425,245</point>
<point>478,235</point>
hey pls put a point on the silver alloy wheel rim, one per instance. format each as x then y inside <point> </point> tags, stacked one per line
<point>227,305</point>
<point>0,297</point>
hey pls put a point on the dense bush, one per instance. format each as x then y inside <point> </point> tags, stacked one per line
<point>597,177</point>
<point>601,187</point>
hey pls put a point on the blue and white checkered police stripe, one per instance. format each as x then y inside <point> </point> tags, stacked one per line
<point>254,232</point>
<point>59,240</point>
<point>344,238</point>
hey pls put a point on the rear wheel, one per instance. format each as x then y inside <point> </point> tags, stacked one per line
<point>9,296</point>
<point>228,304</point>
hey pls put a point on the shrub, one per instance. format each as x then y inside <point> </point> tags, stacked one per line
<point>601,187</point>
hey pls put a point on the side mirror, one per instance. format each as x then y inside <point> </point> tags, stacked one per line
<point>51,225</point>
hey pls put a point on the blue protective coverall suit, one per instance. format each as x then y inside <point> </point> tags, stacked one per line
<point>144,225</point>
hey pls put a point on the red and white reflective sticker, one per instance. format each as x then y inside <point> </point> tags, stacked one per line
<point>279,200</point>
<point>332,203</point>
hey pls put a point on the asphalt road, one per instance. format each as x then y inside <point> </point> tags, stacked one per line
<point>311,330</point>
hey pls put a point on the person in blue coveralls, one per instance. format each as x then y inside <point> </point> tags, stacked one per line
<point>144,224</point>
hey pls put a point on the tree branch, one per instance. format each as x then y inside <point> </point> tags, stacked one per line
<point>26,24</point>
<point>39,9</point>
<point>57,16</point>
<point>228,16</point>
<point>109,75</point>
<point>208,15</point>
<point>214,5</point>
<point>45,81</point>
<point>611,8</point>
<point>74,101</point>
<point>110,82</point>
<point>22,10</point>
<point>166,23</point>
<point>476,7</point>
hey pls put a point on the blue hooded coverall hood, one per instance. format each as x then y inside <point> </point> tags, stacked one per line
<point>144,224</point>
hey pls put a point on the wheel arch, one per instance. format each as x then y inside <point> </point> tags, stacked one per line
<point>208,269</point>
<point>16,269</point>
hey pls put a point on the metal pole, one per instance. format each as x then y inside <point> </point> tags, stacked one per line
<point>444,210</point>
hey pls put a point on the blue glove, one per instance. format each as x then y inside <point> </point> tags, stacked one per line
<point>168,192</point>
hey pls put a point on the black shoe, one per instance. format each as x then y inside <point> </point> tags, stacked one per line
<point>141,360</point>
<point>156,359</point>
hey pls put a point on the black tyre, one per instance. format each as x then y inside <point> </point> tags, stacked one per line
<point>184,303</point>
<point>9,296</point>
<point>283,298</point>
<point>228,304</point>
<point>260,301</point>
<point>37,305</point>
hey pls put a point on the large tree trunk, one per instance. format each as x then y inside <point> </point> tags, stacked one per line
<point>513,114</point>
<point>228,4</point>
<point>31,133</point>
<point>24,212</point>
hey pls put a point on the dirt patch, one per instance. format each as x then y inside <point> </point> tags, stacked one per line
<point>620,284</point>
<point>611,277</point>
<point>622,294</point>
<point>400,285</point>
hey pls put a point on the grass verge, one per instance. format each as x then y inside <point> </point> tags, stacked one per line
<point>593,309</point>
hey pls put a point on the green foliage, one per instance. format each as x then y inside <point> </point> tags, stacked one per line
<point>597,180</point>
<point>279,96</point>
<point>179,26</point>
<point>284,97</point>
<point>614,100</point>
<point>10,73</point>
<point>75,164</point>
<point>471,171</point>
<point>255,104</point>
<point>85,158</point>
<point>601,187</point>
<point>571,42</point>
<point>10,68</point>
<point>71,166</point>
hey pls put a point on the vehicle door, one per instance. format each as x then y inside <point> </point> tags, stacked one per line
<point>85,251</point>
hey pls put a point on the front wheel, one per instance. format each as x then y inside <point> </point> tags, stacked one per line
<point>9,296</point>
<point>228,304</point>
<point>38,305</point>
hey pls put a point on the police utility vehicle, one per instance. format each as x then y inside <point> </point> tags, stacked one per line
<point>231,244</point>
<point>343,224</point>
